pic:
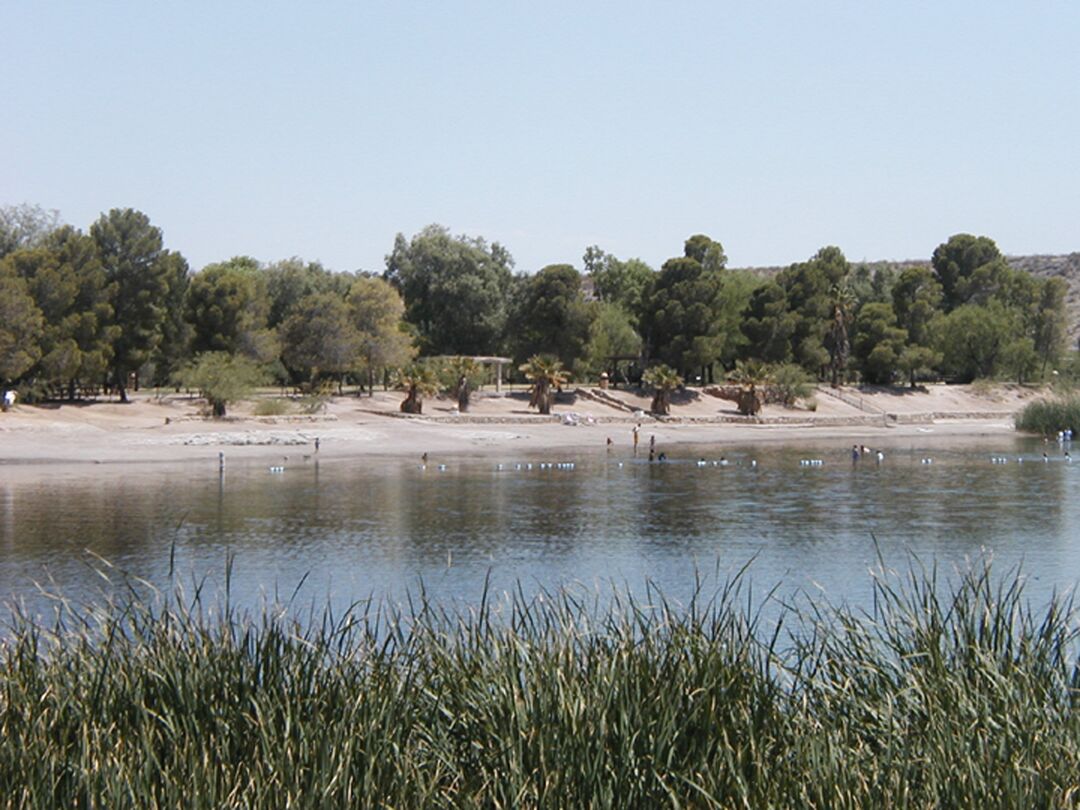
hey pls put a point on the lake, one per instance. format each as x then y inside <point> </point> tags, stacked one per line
<point>349,531</point>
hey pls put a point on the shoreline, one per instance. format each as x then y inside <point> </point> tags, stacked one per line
<point>38,441</point>
<point>395,441</point>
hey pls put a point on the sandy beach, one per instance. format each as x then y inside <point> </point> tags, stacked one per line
<point>160,427</point>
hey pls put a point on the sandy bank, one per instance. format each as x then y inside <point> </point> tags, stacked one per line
<point>170,429</point>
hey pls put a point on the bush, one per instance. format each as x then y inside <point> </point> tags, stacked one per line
<point>272,407</point>
<point>792,383</point>
<point>222,378</point>
<point>1048,416</point>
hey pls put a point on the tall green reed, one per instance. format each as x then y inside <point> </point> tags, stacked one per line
<point>939,694</point>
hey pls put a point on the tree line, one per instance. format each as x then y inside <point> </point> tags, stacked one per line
<point>113,307</point>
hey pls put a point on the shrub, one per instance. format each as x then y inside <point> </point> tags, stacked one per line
<point>792,383</point>
<point>272,407</point>
<point>1048,416</point>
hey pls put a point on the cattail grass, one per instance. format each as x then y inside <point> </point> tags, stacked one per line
<point>937,695</point>
<point>1047,417</point>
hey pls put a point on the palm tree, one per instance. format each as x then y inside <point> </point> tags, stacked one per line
<point>749,375</point>
<point>663,379</point>
<point>418,382</point>
<point>842,301</point>
<point>546,375</point>
<point>463,371</point>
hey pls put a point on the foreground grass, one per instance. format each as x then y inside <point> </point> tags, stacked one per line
<point>956,696</point>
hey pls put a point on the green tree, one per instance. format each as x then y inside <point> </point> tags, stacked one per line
<point>973,338</point>
<point>956,260</point>
<point>290,281</point>
<point>842,301</point>
<point>376,311</point>
<point>768,325</point>
<point>705,251</point>
<point>916,360</point>
<point>663,380</point>
<point>550,316</point>
<point>547,376</point>
<point>682,320</point>
<point>228,307</point>
<point>610,335</point>
<point>879,343</point>
<point>68,284</point>
<point>130,251</point>
<point>916,300</point>
<point>455,290</point>
<point>174,348</point>
<point>418,382</point>
<point>809,290</point>
<point>21,326</point>
<point>619,282</point>
<point>459,376</point>
<point>1049,326</point>
<point>320,339</point>
<point>1020,360</point>
<point>222,378</point>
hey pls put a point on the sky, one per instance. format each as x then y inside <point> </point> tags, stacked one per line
<point>323,129</point>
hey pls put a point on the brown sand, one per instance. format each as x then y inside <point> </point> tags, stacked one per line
<point>170,429</point>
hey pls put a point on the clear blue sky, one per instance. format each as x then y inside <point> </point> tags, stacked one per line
<point>322,129</point>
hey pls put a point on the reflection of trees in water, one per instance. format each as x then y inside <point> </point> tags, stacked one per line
<point>381,525</point>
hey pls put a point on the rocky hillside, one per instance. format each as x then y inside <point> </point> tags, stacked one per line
<point>1065,266</point>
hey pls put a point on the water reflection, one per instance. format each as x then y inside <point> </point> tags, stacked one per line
<point>360,530</point>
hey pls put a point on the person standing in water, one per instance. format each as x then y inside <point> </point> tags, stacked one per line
<point>635,431</point>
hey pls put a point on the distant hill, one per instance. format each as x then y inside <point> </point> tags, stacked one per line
<point>1065,266</point>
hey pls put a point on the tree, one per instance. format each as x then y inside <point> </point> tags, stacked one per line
<point>376,311</point>
<point>619,282</point>
<point>879,343</point>
<point>1020,359</point>
<point>290,281</point>
<point>809,290</point>
<point>319,338</point>
<point>916,298</point>
<point>768,325</point>
<point>68,284</point>
<point>836,338</point>
<point>664,380</point>
<point>749,375</point>
<point>705,251</point>
<point>460,375</point>
<point>956,260</point>
<point>550,315</point>
<point>1050,322</point>
<point>130,251</point>
<point>547,376</point>
<point>174,347</point>
<point>917,360</point>
<point>610,335</point>
<point>682,314</point>
<point>455,290</point>
<point>418,381</point>
<point>228,307</point>
<point>21,325</point>
<point>25,226</point>
<point>973,338</point>
<point>222,378</point>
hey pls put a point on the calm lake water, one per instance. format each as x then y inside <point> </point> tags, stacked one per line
<point>350,531</point>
